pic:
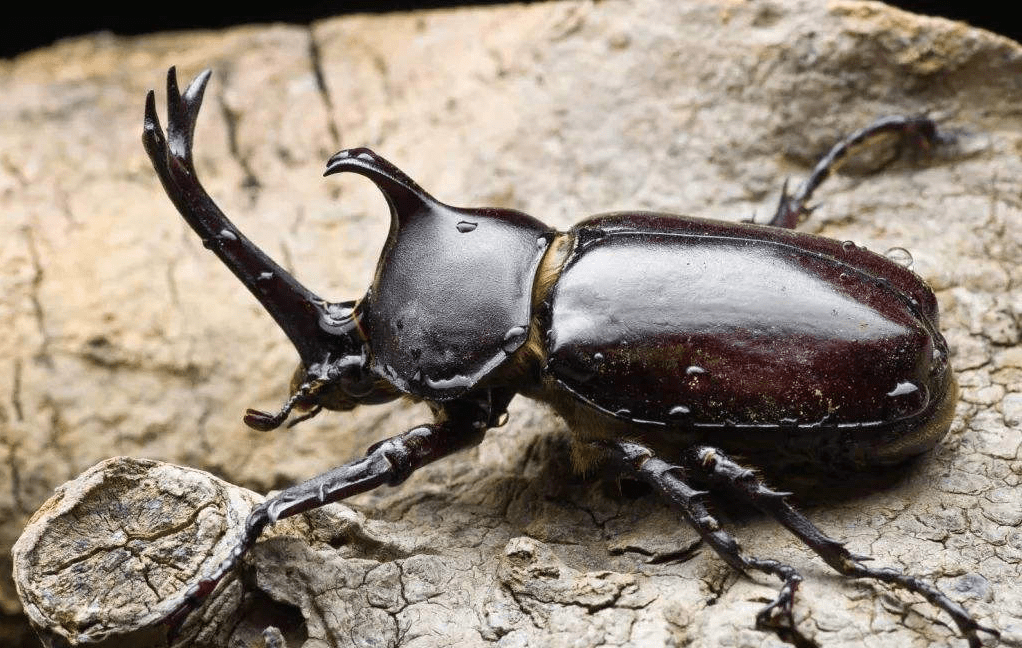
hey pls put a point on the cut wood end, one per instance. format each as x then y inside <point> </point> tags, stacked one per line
<point>112,552</point>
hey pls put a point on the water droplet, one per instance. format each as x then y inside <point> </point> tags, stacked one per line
<point>598,357</point>
<point>694,371</point>
<point>679,410</point>
<point>900,255</point>
<point>623,413</point>
<point>541,242</point>
<point>843,276</point>
<point>903,388</point>
<point>454,382</point>
<point>466,226</point>
<point>265,276</point>
<point>228,234</point>
<point>848,246</point>
<point>907,398</point>
<point>514,338</point>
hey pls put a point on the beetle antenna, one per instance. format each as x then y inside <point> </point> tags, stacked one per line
<point>305,417</point>
<point>264,422</point>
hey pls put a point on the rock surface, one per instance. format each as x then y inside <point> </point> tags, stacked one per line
<point>123,337</point>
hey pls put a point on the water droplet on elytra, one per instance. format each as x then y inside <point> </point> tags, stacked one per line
<point>513,339</point>
<point>694,370</point>
<point>900,255</point>
<point>456,381</point>
<point>265,276</point>
<point>679,410</point>
<point>466,226</point>
<point>903,388</point>
<point>228,234</point>
<point>598,357</point>
<point>848,246</point>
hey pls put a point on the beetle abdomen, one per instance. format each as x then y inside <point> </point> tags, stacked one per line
<point>685,328</point>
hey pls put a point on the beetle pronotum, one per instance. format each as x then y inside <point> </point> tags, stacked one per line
<point>665,342</point>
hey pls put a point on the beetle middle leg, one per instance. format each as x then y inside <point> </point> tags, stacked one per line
<point>668,480</point>
<point>792,209</point>
<point>720,471</point>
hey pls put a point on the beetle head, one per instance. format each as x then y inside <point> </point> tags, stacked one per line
<point>340,380</point>
<point>334,372</point>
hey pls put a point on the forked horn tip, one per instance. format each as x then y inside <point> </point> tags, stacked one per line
<point>198,84</point>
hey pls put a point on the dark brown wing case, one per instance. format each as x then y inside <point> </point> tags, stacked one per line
<point>695,323</point>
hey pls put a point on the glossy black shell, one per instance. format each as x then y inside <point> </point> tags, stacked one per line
<point>452,296</point>
<point>747,336</point>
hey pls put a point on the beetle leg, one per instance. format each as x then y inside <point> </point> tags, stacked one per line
<point>721,471</point>
<point>792,209</point>
<point>665,478</point>
<point>460,425</point>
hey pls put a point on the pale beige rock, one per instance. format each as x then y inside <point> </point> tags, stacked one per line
<point>124,337</point>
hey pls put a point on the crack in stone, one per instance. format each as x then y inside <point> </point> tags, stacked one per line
<point>19,412</point>
<point>12,464</point>
<point>37,307</point>
<point>251,180</point>
<point>316,59</point>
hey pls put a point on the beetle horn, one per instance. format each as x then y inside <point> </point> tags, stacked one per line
<point>404,195</point>
<point>314,326</point>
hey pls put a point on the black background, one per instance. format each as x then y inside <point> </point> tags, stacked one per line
<point>32,28</point>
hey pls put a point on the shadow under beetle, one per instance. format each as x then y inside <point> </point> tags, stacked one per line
<point>666,343</point>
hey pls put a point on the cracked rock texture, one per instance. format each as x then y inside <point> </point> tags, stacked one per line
<point>124,337</point>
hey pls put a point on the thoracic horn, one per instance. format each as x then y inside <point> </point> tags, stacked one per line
<point>405,197</point>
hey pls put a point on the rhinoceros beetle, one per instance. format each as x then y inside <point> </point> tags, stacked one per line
<point>666,343</point>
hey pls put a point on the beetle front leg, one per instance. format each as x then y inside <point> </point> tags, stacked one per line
<point>721,471</point>
<point>460,425</point>
<point>664,478</point>
<point>792,209</point>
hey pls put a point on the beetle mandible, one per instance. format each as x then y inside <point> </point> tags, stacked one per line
<point>666,343</point>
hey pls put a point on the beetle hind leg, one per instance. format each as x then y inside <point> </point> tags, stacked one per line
<point>918,132</point>
<point>720,471</point>
<point>667,480</point>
